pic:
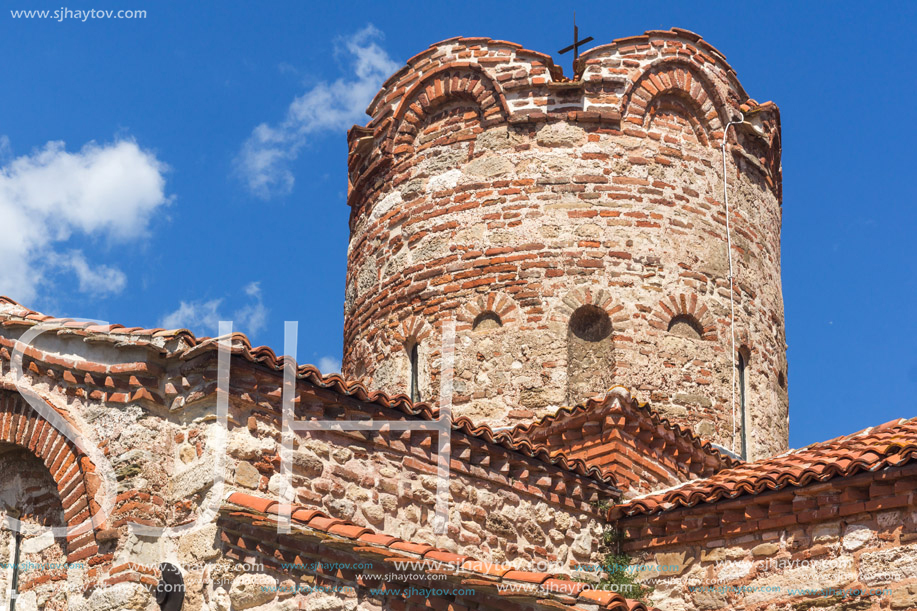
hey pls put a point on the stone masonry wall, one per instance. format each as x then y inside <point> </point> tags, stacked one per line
<point>503,505</point>
<point>844,545</point>
<point>574,230</point>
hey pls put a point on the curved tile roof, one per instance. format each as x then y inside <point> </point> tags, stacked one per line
<point>889,445</point>
<point>479,573</point>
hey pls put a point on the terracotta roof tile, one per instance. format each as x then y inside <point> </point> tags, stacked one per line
<point>891,444</point>
<point>601,597</point>
<point>564,586</point>
<point>348,530</point>
<point>377,539</point>
<point>447,557</point>
<point>527,576</point>
<point>248,501</point>
<point>485,568</point>
<point>324,523</point>
<point>414,548</point>
<point>568,594</point>
<point>304,515</point>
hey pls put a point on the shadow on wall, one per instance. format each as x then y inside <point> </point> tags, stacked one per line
<point>590,352</point>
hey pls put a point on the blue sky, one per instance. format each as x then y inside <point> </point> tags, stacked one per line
<point>137,186</point>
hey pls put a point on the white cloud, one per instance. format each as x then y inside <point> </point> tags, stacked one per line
<point>99,279</point>
<point>253,316</point>
<point>109,191</point>
<point>328,106</point>
<point>204,317</point>
<point>329,364</point>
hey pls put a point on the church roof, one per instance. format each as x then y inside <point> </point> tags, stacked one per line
<point>550,590</point>
<point>184,345</point>
<point>892,444</point>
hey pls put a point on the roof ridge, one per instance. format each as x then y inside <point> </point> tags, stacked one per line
<point>622,392</point>
<point>319,521</point>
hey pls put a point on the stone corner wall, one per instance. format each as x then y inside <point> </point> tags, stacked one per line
<point>842,545</point>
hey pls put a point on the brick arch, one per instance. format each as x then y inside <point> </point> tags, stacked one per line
<point>585,295</point>
<point>360,360</point>
<point>72,471</point>
<point>744,344</point>
<point>683,82</point>
<point>411,329</point>
<point>500,304</point>
<point>455,81</point>
<point>686,306</point>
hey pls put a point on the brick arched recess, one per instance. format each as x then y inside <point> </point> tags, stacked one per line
<point>362,356</point>
<point>499,303</point>
<point>411,329</point>
<point>586,295</point>
<point>456,81</point>
<point>402,336</point>
<point>72,471</point>
<point>682,81</point>
<point>684,305</point>
<point>592,366</point>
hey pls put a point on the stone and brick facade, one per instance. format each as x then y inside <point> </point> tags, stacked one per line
<point>573,230</point>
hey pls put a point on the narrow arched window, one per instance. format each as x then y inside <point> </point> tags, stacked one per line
<point>742,365</point>
<point>415,366</point>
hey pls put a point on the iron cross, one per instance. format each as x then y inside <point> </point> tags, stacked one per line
<point>577,43</point>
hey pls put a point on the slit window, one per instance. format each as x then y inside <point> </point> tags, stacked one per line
<point>415,366</point>
<point>742,365</point>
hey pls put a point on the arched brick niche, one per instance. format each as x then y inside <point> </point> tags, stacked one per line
<point>588,314</point>
<point>71,471</point>
<point>458,84</point>
<point>672,94</point>
<point>684,315</point>
<point>485,353</point>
